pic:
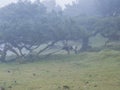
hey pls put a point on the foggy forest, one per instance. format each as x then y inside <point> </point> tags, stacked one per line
<point>44,46</point>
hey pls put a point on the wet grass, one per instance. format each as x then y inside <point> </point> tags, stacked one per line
<point>86,71</point>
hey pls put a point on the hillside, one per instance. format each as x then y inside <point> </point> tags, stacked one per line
<point>86,71</point>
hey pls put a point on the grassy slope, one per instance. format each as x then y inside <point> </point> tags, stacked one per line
<point>87,71</point>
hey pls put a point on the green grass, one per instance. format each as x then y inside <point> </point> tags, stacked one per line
<point>86,71</point>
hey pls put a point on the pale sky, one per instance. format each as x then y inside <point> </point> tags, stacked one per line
<point>59,2</point>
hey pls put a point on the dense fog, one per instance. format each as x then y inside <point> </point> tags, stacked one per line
<point>33,28</point>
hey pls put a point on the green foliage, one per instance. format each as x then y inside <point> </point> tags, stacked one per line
<point>109,27</point>
<point>27,26</point>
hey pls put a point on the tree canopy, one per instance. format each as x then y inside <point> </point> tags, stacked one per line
<point>27,28</point>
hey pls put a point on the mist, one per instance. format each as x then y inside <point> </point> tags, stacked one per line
<point>60,45</point>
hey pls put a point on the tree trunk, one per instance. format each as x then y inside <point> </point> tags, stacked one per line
<point>85,44</point>
<point>3,56</point>
<point>45,48</point>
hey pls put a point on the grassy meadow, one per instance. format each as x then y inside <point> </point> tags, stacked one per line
<point>86,71</point>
